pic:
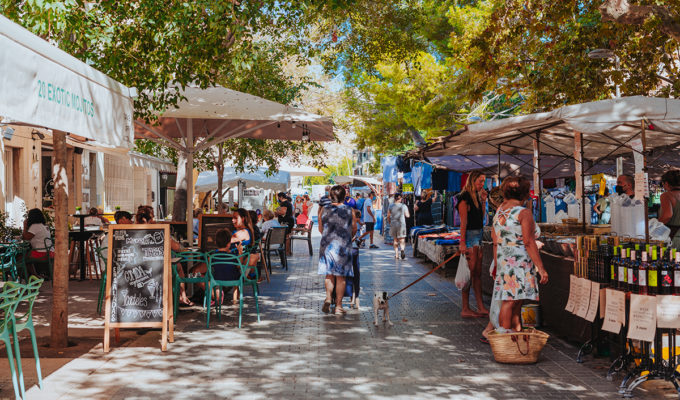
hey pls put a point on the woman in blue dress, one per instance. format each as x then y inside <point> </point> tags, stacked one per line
<point>335,254</point>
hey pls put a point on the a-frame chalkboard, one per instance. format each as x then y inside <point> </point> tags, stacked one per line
<point>208,225</point>
<point>138,280</point>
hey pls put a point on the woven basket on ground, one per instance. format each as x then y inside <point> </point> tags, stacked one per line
<point>518,347</point>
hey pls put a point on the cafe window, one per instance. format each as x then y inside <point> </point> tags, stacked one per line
<point>118,183</point>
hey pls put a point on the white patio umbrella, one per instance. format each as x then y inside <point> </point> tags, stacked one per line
<point>217,114</point>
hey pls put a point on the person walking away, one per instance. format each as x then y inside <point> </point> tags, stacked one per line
<point>471,206</point>
<point>303,217</point>
<point>324,201</point>
<point>335,253</point>
<point>517,258</point>
<point>396,217</point>
<point>424,209</point>
<point>669,213</point>
<point>369,219</point>
<point>601,208</point>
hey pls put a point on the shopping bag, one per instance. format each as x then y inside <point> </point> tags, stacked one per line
<point>463,273</point>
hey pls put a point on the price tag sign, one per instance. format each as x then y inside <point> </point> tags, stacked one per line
<point>642,317</point>
<point>594,301</point>
<point>641,185</point>
<point>668,312</point>
<point>615,310</point>
<point>571,302</point>
<point>583,297</point>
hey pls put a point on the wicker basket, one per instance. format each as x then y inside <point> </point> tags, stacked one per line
<point>518,347</point>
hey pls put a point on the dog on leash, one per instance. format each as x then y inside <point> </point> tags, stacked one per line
<point>380,303</point>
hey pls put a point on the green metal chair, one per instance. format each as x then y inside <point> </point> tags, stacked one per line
<point>48,258</point>
<point>21,254</point>
<point>102,253</point>
<point>8,264</point>
<point>9,299</point>
<point>217,285</point>
<point>194,257</point>
<point>25,321</point>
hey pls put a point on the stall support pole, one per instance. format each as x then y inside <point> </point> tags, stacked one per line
<point>499,165</point>
<point>578,172</point>
<point>537,176</point>
<point>644,170</point>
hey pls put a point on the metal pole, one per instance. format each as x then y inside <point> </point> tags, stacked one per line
<point>537,174</point>
<point>583,186</point>
<point>499,165</point>
<point>644,171</point>
<point>190,179</point>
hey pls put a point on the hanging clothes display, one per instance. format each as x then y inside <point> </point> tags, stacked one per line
<point>440,179</point>
<point>403,165</point>
<point>421,175</point>
<point>389,168</point>
<point>454,181</point>
<point>437,211</point>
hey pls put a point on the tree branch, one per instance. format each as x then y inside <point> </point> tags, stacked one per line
<point>622,12</point>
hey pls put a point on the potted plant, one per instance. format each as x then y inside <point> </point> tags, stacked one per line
<point>78,209</point>
<point>117,208</point>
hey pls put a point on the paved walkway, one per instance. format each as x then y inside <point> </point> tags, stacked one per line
<point>297,352</point>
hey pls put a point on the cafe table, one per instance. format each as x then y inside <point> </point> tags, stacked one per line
<point>82,235</point>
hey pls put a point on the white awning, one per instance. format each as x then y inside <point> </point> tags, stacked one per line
<point>607,126</point>
<point>150,162</point>
<point>342,180</point>
<point>41,85</point>
<point>300,170</point>
<point>279,181</point>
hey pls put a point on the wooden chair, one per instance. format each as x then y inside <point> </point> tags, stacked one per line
<point>276,242</point>
<point>303,234</point>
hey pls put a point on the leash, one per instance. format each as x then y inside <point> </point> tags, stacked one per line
<point>428,273</point>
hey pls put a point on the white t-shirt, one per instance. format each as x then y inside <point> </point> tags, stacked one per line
<point>266,225</point>
<point>93,221</point>
<point>368,204</point>
<point>40,233</point>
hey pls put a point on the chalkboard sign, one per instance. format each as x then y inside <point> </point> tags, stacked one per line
<point>138,279</point>
<point>208,225</point>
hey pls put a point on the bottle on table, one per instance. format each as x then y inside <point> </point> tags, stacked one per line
<point>665,275</point>
<point>623,270</point>
<point>653,274</point>
<point>643,266</point>
<point>633,272</point>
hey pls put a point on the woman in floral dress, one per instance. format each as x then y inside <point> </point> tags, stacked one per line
<point>335,253</point>
<point>517,257</point>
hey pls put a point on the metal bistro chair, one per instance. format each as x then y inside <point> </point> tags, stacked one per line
<point>102,253</point>
<point>48,258</point>
<point>303,234</point>
<point>217,285</point>
<point>194,257</point>
<point>256,248</point>
<point>9,299</point>
<point>276,242</point>
<point>25,321</point>
<point>8,264</point>
<point>21,255</point>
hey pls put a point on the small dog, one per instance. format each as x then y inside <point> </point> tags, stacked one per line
<point>380,303</point>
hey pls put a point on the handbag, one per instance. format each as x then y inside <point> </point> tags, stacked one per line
<point>518,347</point>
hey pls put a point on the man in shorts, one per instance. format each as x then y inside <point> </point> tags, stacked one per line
<point>369,219</point>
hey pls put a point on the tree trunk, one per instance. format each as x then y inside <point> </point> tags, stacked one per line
<point>179,209</point>
<point>59,325</point>
<point>626,14</point>
<point>220,174</point>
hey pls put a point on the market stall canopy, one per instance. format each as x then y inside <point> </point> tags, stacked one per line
<point>151,162</point>
<point>45,87</point>
<point>300,170</point>
<point>220,113</point>
<point>279,181</point>
<point>344,180</point>
<point>607,127</point>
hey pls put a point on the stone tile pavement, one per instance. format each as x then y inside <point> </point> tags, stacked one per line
<point>297,352</point>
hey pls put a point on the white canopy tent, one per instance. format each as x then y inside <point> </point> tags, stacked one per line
<point>295,170</point>
<point>207,180</point>
<point>216,114</point>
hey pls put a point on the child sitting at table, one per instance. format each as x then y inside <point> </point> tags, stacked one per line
<point>222,271</point>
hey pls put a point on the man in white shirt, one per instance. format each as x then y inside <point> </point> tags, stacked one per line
<point>369,219</point>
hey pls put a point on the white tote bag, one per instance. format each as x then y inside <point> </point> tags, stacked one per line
<point>463,273</point>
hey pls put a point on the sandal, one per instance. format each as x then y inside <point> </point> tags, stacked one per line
<point>340,310</point>
<point>326,307</point>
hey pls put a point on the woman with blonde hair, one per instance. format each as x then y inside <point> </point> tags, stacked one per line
<point>471,207</point>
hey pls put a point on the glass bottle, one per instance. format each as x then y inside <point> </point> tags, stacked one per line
<point>665,276</point>
<point>643,266</point>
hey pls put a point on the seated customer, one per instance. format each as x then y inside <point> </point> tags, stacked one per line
<point>93,218</point>
<point>222,271</point>
<point>269,222</point>
<point>36,231</point>
<point>256,229</point>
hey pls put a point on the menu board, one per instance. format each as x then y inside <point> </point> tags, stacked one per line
<point>208,225</point>
<point>138,278</point>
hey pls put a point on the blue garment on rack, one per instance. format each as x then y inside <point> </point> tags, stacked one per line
<point>454,181</point>
<point>407,177</point>
<point>389,168</point>
<point>422,177</point>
